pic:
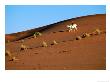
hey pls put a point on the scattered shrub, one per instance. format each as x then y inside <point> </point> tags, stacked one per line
<point>37,34</point>
<point>54,42</point>
<point>44,44</point>
<point>7,41</point>
<point>85,35</point>
<point>23,47</point>
<point>13,58</point>
<point>22,41</point>
<point>90,34</point>
<point>78,38</point>
<point>34,35</point>
<point>97,31</point>
<point>8,53</point>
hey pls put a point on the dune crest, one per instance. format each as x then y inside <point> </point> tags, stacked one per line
<point>53,47</point>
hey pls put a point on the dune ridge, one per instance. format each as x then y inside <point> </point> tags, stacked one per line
<point>57,49</point>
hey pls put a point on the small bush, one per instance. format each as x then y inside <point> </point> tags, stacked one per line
<point>88,35</point>
<point>34,35</point>
<point>97,31</point>
<point>85,35</point>
<point>8,53</point>
<point>37,34</point>
<point>13,58</point>
<point>7,41</point>
<point>44,44</point>
<point>23,47</point>
<point>22,41</point>
<point>78,38</point>
<point>54,42</point>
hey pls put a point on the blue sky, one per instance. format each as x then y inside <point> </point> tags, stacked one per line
<point>23,17</point>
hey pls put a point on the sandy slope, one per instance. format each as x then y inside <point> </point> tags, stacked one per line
<point>69,53</point>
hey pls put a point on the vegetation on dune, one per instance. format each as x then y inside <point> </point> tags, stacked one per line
<point>54,42</point>
<point>85,35</point>
<point>7,41</point>
<point>8,53</point>
<point>37,34</point>
<point>78,38</point>
<point>98,31</point>
<point>23,47</point>
<point>44,44</point>
<point>22,41</point>
<point>13,58</point>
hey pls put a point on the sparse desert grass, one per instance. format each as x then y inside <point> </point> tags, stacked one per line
<point>78,38</point>
<point>23,47</point>
<point>22,41</point>
<point>13,58</point>
<point>44,44</point>
<point>8,53</point>
<point>34,35</point>
<point>85,35</point>
<point>54,42</point>
<point>98,31</point>
<point>8,41</point>
<point>37,34</point>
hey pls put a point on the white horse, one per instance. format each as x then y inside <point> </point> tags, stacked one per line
<point>71,27</point>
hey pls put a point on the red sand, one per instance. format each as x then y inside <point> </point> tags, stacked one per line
<point>88,53</point>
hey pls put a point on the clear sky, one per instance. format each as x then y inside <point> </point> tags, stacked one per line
<point>23,17</point>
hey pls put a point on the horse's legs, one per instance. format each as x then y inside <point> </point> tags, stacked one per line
<point>69,30</point>
<point>76,29</point>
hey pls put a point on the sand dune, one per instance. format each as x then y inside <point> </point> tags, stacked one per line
<point>87,53</point>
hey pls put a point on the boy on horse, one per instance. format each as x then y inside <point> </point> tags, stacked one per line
<point>72,27</point>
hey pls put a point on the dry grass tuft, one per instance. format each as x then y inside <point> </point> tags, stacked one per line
<point>78,38</point>
<point>23,47</point>
<point>85,35</point>
<point>37,34</point>
<point>44,44</point>
<point>98,31</point>
<point>22,41</point>
<point>13,58</point>
<point>8,53</point>
<point>54,42</point>
<point>7,41</point>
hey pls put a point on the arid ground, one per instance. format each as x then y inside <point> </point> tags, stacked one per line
<point>57,49</point>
